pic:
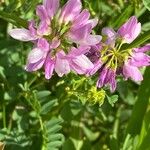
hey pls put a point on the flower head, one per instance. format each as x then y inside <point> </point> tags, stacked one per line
<point>55,35</point>
<point>112,60</point>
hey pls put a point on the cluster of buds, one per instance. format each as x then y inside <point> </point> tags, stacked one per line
<point>63,42</point>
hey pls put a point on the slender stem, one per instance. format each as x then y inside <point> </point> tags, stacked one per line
<point>43,134</point>
<point>33,80</point>
<point>126,142</point>
<point>116,124</point>
<point>4,116</point>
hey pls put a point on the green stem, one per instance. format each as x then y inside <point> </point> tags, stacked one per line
<point>126,142</point>
<point>4,115</point>
<point>43,134</point>
<point>116,124</point>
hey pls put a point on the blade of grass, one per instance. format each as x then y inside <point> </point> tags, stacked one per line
<point>139,110</point>
<point>12,18</point>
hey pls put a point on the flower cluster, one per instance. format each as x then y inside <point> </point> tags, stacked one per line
<point>110,59</point>
<point>63,42</point>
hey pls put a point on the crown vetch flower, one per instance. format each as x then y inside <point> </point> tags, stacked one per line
<point>54,38</point>
<point>110,60</point>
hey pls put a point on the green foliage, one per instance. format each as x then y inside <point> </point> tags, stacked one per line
<point>147,4</point>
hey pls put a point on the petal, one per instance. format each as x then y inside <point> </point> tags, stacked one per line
<point>62,65</point>
<point>42,13</point>
<point>49,67</point>
<point>51,7</point>
<point>30,67</point>
<point>132,72</point>
<point>80,35</point>
<point>110,34</point>
<point>96,67</point>
<point>43,29</point>
<point>143,49</point>
<point>81,19</point>
<point>92,40</point>
<point>130,30</point>
<point>140,60</point>
<point>81,64</point>
<point>102,78</point>
<point>21,34</point>
<point>32,28</point>
<point>55,43</point>
<point>93,22</point>
<point>112,80</point>
<point>36,55</point>
<point>78,51</point>
<point>71,9</point>
<point>43,44</point>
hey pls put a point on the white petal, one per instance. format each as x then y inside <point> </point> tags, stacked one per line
<point>83,62</point>
<point>21,34</point>
<point>35,55</point>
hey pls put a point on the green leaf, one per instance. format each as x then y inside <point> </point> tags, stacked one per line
<point>123,17</point>
<point>42,94</point>
<point>48,106</point>
<point>147,4</point>
<point>14,19</point>
<point>68,145</point>
<point>140,40</point>
<point>112,100</point>
<point>140,107</point>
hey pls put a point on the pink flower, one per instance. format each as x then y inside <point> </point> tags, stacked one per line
<point>58,30</point>
<point>63,64</point>
<point>110,60</point>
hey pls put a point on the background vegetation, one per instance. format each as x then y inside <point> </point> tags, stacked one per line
<point>38,114</point>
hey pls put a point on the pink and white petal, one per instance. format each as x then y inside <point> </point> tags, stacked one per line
<point>110,34</point>
<point>30,67</point>
<point>77,69</point>
<point>55,43</point>
<point>93,22</point>
<point>130,30</point>
<point>96,67</point>
<point>32,28</point>
<point>78,51</point>
<point>102,78</point>
<point>51,7</point>
<point>70,10</point>
<point>83,62</point>
<point>140,60</point>
<point>43,44</point>
<point>132,72</point>
<point>36,55</point>
<point>80,35</point>
<point>21,34</point>
<point>112,81</point>
<point>81,19</point>
<point>61,66</point>
<point>43,29</point>
<point>143,49</point>
<point>42,13</point>
<point>92,40</point>
<point>49,67</point>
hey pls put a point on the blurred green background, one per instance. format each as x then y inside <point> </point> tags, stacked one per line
<point>39,114</point>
